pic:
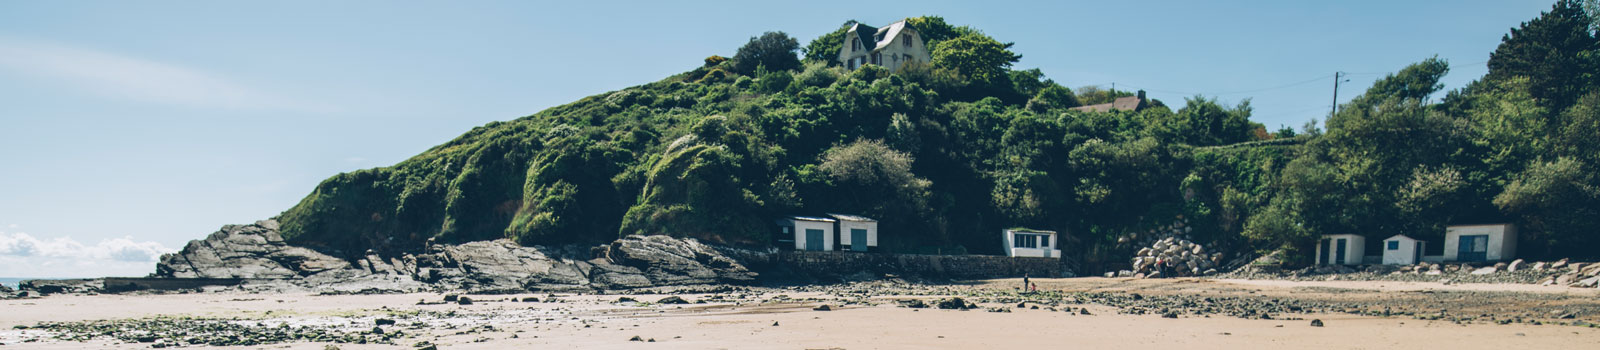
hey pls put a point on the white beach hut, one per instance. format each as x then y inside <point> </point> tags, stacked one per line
<point>1473,243</point>
<point>1402,250</point>
<point>1022,242</point>
<point>1341,249</point>
<point>809,233</point>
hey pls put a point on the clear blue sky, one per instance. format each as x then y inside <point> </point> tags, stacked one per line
<point>129,128</point>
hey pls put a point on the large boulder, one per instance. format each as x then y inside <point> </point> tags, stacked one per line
<point>498,266</point>
<point>246,251</point>
<point>668,261</point>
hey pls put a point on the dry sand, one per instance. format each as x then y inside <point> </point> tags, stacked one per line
<point>598,322</point>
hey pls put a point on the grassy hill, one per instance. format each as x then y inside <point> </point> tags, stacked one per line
<point>947,153</point>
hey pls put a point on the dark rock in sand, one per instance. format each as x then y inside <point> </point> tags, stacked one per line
<point>953,303</point>
<point>822,308</point>
<point>464,301</point>
<point>384,322</point>
<point>63,286</point>
<point>1316,323</point>
<point>672,300</point>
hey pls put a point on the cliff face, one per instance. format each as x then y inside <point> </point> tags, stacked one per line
<point>258,251</point>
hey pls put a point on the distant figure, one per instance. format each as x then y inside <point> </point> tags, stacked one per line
<point>1025,282</point>
<point>1161,267</point>
<point>1033,288</point>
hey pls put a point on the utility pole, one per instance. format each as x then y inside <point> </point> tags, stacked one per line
<point>1336,76</point>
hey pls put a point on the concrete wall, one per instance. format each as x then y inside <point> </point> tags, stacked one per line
<point>1502,240</point>
<point>121,284</point>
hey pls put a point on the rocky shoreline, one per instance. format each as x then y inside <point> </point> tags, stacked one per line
<point>1557,273</point>
<point>484,318</point>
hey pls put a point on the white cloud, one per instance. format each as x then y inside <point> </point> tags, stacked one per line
<point>23,255</point>
<point>132,78</point>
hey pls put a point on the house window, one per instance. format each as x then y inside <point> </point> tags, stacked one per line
<point>906,38</point>
<point>1025,241</point>
<point>855,45</point>
<point>1044,241</point>
<point>877,58</point>
<point>1394,245</point>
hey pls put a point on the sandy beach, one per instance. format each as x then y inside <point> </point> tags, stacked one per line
<point>785,318</point>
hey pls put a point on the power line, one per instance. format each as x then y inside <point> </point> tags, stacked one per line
<point>1284,86</point>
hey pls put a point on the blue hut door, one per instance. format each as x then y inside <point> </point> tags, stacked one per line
<point>813,239</point>
<point>858,239</point>
<point>1323,248</point>
<point>1473,248</point>
<point>1338,258</point>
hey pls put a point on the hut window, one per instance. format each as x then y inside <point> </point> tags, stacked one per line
<point>1025,241</point>
<point>1394,245</point>
<point>1044,241</point>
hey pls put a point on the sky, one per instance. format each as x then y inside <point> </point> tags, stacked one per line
<point>129,128</point>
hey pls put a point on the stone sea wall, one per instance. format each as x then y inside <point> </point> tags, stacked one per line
<point>828,263</point>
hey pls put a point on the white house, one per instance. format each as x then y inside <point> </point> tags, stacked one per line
<point>1402,250</point>
<point>1341,249</point>
<point>856,233</point>
<point>809,233</point>
<point>1494,242</point>
<point>1021,242</point>
<point>891,46</point>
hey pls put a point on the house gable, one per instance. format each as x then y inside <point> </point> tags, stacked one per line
<point>891,46</point>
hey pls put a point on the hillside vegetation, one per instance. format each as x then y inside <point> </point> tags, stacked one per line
<point>946,154</point>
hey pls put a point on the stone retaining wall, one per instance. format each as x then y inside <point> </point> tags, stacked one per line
<point>946,266</point>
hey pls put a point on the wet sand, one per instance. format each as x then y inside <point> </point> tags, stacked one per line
<point>745,319</point>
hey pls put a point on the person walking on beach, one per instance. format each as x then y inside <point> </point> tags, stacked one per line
<point>1025,282</point>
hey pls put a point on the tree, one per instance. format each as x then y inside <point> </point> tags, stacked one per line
<point>1203,122</point>
<point>869,177</point>
<point>826,48</point>
<point>1560,200</point>
<point>979,57</point>
<point>1052,97</point>
<point>1557,52</point>
<point>775,50</point>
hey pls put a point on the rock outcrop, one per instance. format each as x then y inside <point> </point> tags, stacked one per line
<point>257,252</point>
<point>246,251</point>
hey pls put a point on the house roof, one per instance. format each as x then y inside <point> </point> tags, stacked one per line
<point>1126,103</point>
<point>847,217</point>
<point>1401,236</point>
<point>810,218</point>
<point>875,37</point>
<point>1028,230</point>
